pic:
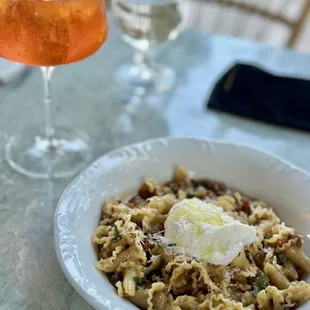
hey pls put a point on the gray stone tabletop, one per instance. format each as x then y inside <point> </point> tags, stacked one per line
<point>84,97</point>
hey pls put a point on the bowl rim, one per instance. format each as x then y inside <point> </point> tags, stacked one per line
<point>78,287</point>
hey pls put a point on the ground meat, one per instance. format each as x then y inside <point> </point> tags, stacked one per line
<point>246,208</point>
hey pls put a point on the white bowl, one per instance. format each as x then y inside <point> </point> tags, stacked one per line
<point>251,171</point>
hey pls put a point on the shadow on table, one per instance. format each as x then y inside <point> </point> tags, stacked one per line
<point>7,89</point>
<point>183,54</point>
<point>135,119</point>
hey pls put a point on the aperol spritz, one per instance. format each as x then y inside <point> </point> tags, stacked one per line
<point>48,33</point>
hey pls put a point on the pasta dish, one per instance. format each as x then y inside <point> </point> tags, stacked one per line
<point>266,273</point>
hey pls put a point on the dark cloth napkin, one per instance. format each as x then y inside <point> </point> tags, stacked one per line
<point>251,92</point>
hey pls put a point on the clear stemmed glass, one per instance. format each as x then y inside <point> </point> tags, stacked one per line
<point>46,34</point>
<point>145,23</point>
<point>140,119</point>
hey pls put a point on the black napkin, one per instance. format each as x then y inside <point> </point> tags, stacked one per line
<point>249,91</point>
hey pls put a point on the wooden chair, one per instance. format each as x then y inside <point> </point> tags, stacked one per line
<point>276,22</point>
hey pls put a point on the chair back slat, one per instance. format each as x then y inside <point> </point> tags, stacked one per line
<point>260,20</point>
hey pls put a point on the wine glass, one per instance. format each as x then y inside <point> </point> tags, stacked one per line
<point>46,34</point>
<point>145,23</point>
<point>140,119</point>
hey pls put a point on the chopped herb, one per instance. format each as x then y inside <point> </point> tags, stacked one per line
<point>116,237</point>
<point>136,280</point>
<point>282,259</point>
<point>260,283</point>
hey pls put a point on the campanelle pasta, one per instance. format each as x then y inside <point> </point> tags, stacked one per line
<point>266,275</point>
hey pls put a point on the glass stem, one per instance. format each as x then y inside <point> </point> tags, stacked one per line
<point>47,76</point>
<point>142,59</point>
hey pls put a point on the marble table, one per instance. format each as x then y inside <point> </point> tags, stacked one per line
<point>30,277</point>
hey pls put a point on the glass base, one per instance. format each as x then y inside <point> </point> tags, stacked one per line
<point>141,80</point>
<point>31,154</point>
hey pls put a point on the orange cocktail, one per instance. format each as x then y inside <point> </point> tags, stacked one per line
<point>51,32</point>
<point>48,33</point>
